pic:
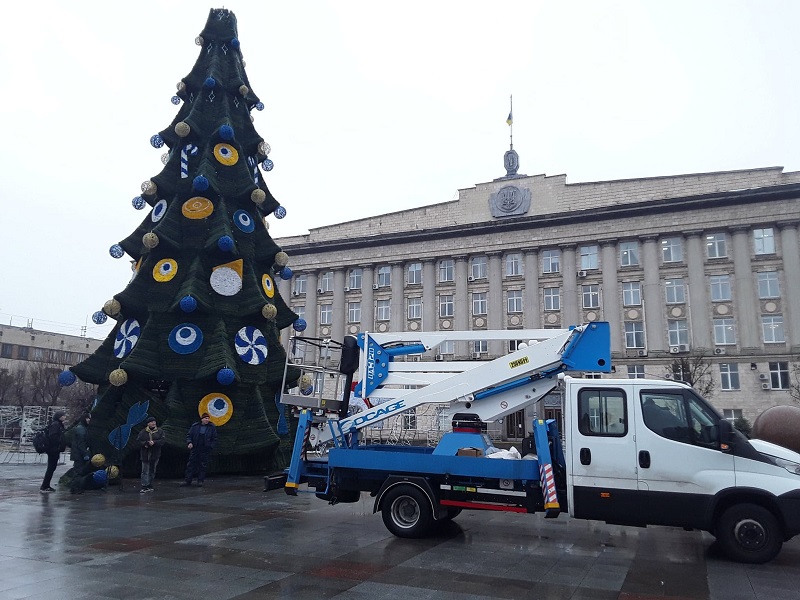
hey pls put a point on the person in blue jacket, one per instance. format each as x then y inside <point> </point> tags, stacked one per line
<point>200,440</point>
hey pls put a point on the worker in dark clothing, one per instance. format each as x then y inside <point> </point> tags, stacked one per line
<point>56,444</point>
<point>79,453</point>
<point>200,440</point>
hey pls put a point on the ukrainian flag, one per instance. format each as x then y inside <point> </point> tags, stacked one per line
<point>510,119</point>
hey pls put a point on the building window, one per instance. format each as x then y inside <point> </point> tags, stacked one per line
<point>629,254</point>
<point>764,241</point>
<point>729,376</point>
<point>513,265</point>
<point>354,312</point>
<point>410,419</point>
<point>514,345</point>
<point>772,327</point>
<point>779,375</point>
<point>6,350</point>
<point>514,303</point>
<point>720,288</point>
<point>551,261</point>
<point>552,298</point>
<point>634,334</point>
<point>415,308</point>
<point>299,285</point>
<point>354,279</point>
<point>22,354</point>
<point>384,276</point>
<point>589,257</point>
<point>635,371</point>
<point>731,414</point>
<point>591,296</point>
<point>672,249</point>
<point>676,292</point>
<point>447,347</point>
<point>715,245</point>
<point>415,273</point>
<point>54,356</point>
<point>768,285</point>
<point>383,310</point>
<point>677,332</point>
<point>724,331</point>
<point>325,314</point>
<point>326,282</point>
<point>447,270</point>
<point>631,293</point>
<point>38,354</point>
<point>480,347</point>
<point>479,267</point>
<point>479,303</point>
<point>446,305</point>
<point>300,311</point>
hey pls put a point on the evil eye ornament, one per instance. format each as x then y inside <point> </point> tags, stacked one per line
<point>138,203</point>
<point>251,345</point>
<point>99,317</point>
<point>244,221</point>
<point>226,154</point>
<point>218,406</point>
<point>158,211</point>
<point>165,270</point>
<point>127,336</point>
<point>197,208</point>
<point>116,251</point>
<point>185,338</point>
<point>268,285</point>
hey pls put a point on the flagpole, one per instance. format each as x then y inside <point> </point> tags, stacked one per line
<point>511,131</point>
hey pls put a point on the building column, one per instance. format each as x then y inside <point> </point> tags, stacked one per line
<point>429,310</point>
<point>367,300</point>
<point>570,315</point>
<point>790,249</point>
<point>285,290</point>
<point>699,319</point>
<point>461,305</point>
<point>496,310</point>
<point>531,303</point>
<point>311,314</point>
<point>653,307</point>
<point>611,302</point>
<point>397,309</point>
<point>339,311</point>
<point>748,315</point>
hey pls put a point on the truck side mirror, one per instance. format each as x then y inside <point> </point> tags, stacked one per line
<point>726,435</point>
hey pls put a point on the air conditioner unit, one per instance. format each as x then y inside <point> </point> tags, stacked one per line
<point>470,278</point>
<point>667,375</point>
<point>374,286</point>
<point>438,357</point>
<point>683,348</point>
<point>346,289</point>
<point>763,376</point>
<point>642,353</point>
<point>674,349</point>
<point>581,273</point>
<point>719,351</point>
<point>476,355</point>
<point>320,291</point>
<point>765,386</point>
<point>295,293</point>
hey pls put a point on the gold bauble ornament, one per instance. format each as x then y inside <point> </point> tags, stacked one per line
<point>118,377</point>
<point>306,381</point>
<point>269,311</point>
<point>258,196</point>
<point>150,240</point>
<point>264,149</point>
<point>112,307</point>
<point>181,86</point>
<point>199,40</point>
<point>98,460</point>
<point>281,259</point>
<point>243,90</point>
<point>182,129</point>
<point>113,472</point>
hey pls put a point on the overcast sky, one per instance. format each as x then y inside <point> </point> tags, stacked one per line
<point>371,107</point>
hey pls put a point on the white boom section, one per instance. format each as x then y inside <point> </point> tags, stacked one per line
<point>459,382</point>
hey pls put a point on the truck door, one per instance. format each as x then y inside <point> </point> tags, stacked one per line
<point>680,466</point>
<point>602,453</point>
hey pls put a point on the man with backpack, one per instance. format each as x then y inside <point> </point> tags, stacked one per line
<point>56,444</point>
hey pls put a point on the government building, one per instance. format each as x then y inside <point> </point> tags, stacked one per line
<point>701,268</point>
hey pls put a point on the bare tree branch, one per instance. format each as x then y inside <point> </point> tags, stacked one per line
<point>696,370</point>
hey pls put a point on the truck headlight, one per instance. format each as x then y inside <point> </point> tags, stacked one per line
<point>791,466</point>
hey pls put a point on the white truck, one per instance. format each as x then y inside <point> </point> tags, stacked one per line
<point>634,452</point>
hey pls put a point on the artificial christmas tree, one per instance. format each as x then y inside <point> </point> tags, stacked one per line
<point>198,324</point>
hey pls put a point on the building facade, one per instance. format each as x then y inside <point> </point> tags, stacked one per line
<point>701,265</point>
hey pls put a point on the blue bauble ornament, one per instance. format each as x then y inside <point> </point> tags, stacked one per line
<point>235,43</point>
<point>279,212</point>
<point>300,325</point>
<point>99,317</point>
<point>100,476</point>
<point>226,132</point>
<point>156,141</point>
<point>209,83</point>
<point>200,183</point>
<point>138,203</point>
<point>259,106</point>
<point>286,273</point>
<point>225,376</point>
<point>66,378</point>
<point>116,251</point>
<point>175,100</point>
<point>225,243</point>
<point>267,165</point>
<point>188,304</point>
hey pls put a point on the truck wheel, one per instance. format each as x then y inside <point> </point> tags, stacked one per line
<point>749,533</point>
<point>407,512</point>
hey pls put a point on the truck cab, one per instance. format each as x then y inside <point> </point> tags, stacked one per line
<point>653,452</point>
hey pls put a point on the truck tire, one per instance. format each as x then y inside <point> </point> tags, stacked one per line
<point>406,512</point>
<point>749,533</point>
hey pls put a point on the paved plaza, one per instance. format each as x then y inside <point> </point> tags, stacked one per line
<point>231,540</point>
